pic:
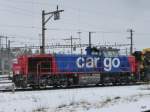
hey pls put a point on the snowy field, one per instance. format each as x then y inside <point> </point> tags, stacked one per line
<point>106,99</point>
<point>5,83</point>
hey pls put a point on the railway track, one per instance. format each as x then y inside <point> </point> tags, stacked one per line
<point>71,87</point>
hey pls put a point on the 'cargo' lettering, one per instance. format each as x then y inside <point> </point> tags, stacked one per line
<point>88,62</point>
<point>109,63</point>
<point>91,62</point>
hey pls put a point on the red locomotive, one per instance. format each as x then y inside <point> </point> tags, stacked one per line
<point>95,67</point>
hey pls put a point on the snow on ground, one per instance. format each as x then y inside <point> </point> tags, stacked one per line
<point>5,82</point>
<point>103,99</point>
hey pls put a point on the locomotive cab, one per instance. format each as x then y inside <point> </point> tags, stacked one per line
<point>32,70</point>
<point>110,52</point>
<point>37,65</point>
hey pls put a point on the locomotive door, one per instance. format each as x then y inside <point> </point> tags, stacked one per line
<point>43,68</point>
<point>38,67</point>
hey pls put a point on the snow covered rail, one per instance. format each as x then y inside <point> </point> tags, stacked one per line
<point>6,82</point>
<point>5,78</point>
<point>13,89</point>
<point>102,99</point>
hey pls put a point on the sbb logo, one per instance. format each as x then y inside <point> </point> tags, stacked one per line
<point>91,62</point>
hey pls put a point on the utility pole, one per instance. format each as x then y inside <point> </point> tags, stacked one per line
<point>90,42</point>
<point>131,40</point>
<point>5,37</point>
<point>71,42</point>
<point>6,41</point>
<point>79,33</point>
<point>90,39</point>
<point>9,55</point>
<point>4,55</point>
<point>56,15</point>
<point>43,32</point>
<point>0,43</point>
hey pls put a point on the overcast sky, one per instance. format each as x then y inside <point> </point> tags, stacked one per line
<point>110,19</point>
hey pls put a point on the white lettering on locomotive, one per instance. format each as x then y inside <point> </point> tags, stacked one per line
<point>91,62</point>
<point>79,62</point>
<point>109,63</point>
<point>88,62</point>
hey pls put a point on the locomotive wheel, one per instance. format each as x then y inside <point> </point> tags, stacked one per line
<point>23,84</point>
<point>65,84</point>
<point>19,81</point>
<point>35,87</point>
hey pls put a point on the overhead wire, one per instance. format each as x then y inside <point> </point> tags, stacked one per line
<point>75,9</point>
<point>73,29</point>
<point>29,2</point>
<point>17,9</point>
<point>56,29</point>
